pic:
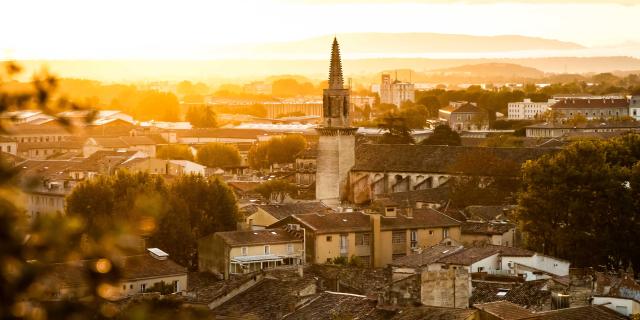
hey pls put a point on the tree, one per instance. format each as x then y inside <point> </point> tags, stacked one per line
<point>583,195</point>
<point>396,131</point>
<point>198,207</point>
<point>175,152</point>
<point>277,150</point>
<point>416,115</point>
<point>156,105</point>
<point>201,117</point>
<point>276,189</point>
<point>219,155</point>
<point>28,249</point>
<point>443,135</point>
<point>123,200</point>
<point>503,141</point>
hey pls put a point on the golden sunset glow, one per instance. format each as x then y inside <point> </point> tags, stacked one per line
<point>119,29</point>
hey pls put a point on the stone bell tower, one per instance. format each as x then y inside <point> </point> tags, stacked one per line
<point>336,147</point>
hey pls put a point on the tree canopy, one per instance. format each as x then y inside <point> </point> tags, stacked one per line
<point>175,152</point>
<point>172,216</point>
<point>396,131</point>
<point>582,202</point>
<point>201,117</point>
<point>277,150</point>
<point>219,155</point>
<point>442,136</point>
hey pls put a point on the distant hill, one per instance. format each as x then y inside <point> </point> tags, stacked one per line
<point>492,70</point>
<point>411,43</point>
<point>221,71</point>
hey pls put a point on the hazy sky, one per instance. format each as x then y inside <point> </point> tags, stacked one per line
<point>68,29</point>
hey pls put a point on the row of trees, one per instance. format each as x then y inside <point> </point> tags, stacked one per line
<point>172,216</point>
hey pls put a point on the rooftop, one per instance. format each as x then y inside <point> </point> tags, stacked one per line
<point>281,211</point>
<point>433,159</point>
<point>259,237</point>
<point>579,313</point>
<point>504,310</point>
<point>427,256</point>
<point>590,103</point>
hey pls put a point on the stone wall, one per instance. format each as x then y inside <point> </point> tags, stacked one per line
<point>446,288</point>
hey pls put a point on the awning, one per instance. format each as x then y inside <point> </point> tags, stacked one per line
<point>258,258</point>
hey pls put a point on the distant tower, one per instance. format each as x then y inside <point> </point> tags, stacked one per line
<point>336,146</point>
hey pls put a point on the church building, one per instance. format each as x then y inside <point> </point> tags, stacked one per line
<point>336,145</point>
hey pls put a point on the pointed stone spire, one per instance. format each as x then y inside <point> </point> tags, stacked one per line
<point>335,71</point>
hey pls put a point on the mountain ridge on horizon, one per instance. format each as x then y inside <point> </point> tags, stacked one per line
<point>412,43</point>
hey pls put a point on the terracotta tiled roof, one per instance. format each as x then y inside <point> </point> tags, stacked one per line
<point>281,211</point>
<point>222,133</point>
<point>328,305</point>
<point>73,274</point>
<point>504,310</point>
<point>272,298</point>
<point>579,313</point>
<point>335,222</point>
<point>434,313</point>
<point>529,294</point>
<point>467,108</point>
<point>67,145</point>
<point>468,256</point>
<point>488,213</point>
<point>487,228</point>
<point>145,266</point>
<point>431,159</point>
<point>266,236</point>
<point>422,218</point>
<point>590,103</point>
<point>427,256</point>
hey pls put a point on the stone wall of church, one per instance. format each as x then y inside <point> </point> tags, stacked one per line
<point>364,186</point>
<point>336,156</point>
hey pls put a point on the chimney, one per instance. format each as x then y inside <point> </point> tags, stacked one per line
<point>300,271</point>
<point>409,212</point>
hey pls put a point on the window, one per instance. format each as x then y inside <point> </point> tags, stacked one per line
<point>9,147</point>
<point>143,287</point>
<point>289,248</point>
<point>398,237</point>
<point>414,238</point>
<point>124,287</point>
<point>267,249</point>
<point>328,238</point>
<point>445,233</point>
<point>244,251</point>
<point>430,232</point>
<point>622,310</point>
<point>363,239</point>
<point>480,269</point>
<point>344,244</point>
<point>130,286</point>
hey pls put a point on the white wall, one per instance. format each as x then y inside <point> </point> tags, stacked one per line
<point>487,264</point>
<point>541,262</point>
<point>625,307</point>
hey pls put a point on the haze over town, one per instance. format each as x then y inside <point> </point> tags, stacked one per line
<point>337,159</point>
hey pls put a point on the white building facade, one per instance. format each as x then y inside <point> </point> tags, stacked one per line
<point>528,109</point>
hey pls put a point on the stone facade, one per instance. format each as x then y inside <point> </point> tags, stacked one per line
<point>446,288</point>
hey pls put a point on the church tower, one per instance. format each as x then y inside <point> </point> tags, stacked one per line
<point>336,146</point>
